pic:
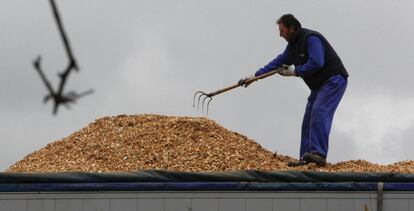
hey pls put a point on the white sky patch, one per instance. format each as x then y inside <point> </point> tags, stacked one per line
<point>372,121</point>
<point>148,75</point>
<point>144,71</point>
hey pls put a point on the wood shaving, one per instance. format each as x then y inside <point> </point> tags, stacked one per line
<point>192,144</point>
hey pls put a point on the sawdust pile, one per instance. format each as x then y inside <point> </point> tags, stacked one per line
<point>143,142</point>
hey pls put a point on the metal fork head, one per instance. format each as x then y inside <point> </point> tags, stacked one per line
<point>205,96</point>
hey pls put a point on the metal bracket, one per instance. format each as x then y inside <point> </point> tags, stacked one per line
<point>380,191</point>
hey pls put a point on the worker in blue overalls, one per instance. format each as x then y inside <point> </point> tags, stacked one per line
<point>310,56</point>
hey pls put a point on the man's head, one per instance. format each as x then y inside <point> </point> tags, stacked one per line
<point>288,26</point>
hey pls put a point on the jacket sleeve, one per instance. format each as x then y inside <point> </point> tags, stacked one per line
<point>275,63</point>
<point>315,60</point>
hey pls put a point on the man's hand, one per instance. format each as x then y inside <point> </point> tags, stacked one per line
<point>242,82</point>
<point>287,70</point>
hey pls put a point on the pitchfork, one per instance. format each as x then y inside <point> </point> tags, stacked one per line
<point>210,96</point>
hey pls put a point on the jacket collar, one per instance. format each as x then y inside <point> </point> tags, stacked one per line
<point>295,36</point>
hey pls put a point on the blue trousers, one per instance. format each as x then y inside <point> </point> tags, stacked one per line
<point>319,114</point>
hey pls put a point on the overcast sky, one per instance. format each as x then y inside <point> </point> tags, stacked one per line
<point>151,56</point>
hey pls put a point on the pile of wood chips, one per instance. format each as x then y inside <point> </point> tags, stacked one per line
<point>144,142</point>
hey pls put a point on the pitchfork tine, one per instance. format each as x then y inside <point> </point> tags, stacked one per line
<point>208,103</point>
<point>195,95</point>
<point>204,100</point>
<point>198,101</point>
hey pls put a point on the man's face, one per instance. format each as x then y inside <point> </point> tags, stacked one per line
<point>285,32</point>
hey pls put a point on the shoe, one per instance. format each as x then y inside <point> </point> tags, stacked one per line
<point>314,158</point>
<point>297,163</point>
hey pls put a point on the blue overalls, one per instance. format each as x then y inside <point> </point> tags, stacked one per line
<point>319,114</point>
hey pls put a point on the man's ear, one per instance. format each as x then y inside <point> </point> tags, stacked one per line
<point>291,29</point>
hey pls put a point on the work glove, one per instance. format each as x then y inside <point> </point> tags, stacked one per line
<point>243,81</point>
<point>287,70</point>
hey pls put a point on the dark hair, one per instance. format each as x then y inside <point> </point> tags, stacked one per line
<point>289,20</point>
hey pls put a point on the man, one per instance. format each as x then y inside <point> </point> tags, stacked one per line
<point>310,56</point>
